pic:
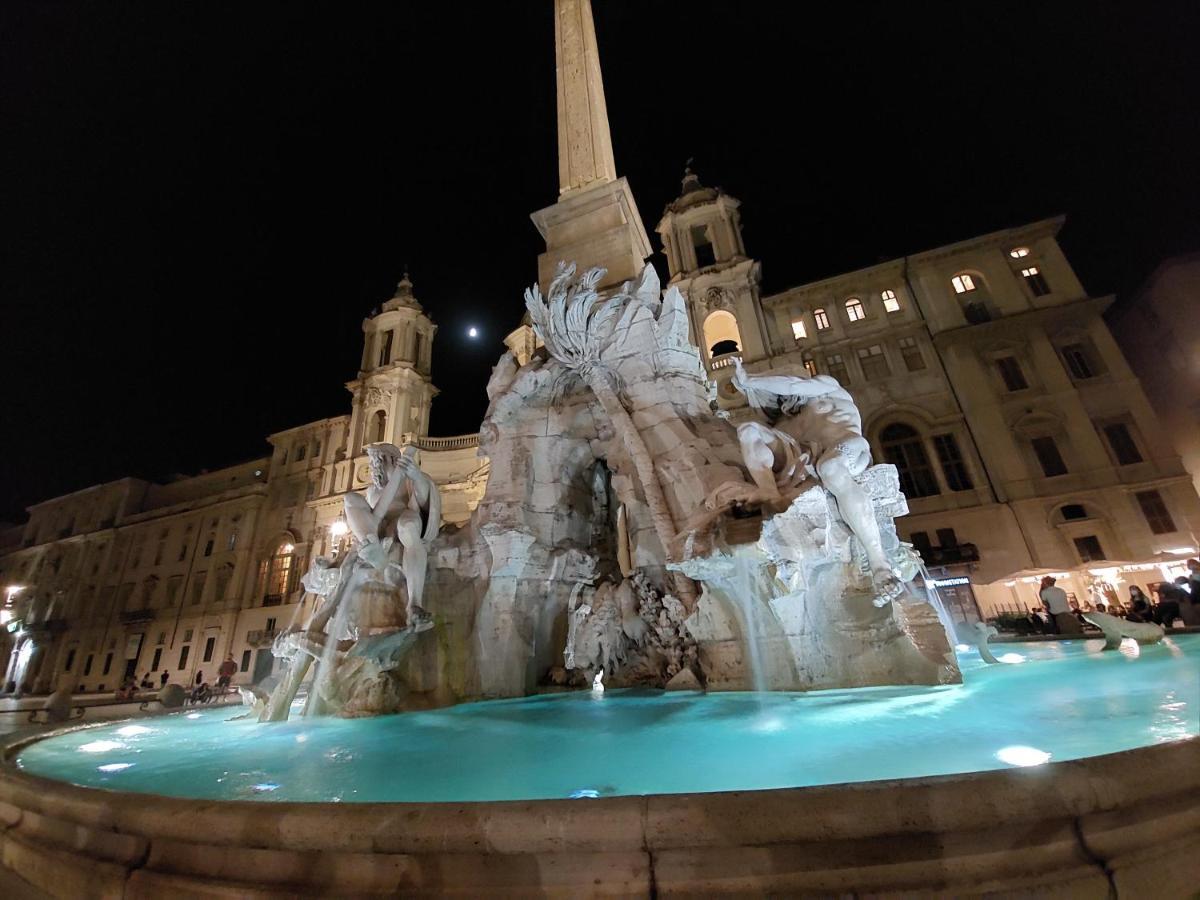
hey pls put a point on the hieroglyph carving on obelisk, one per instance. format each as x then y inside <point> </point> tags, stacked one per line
<point>585,154</point>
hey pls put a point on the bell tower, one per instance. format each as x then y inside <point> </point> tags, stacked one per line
<point>393,393</point>
<point>701,232</point>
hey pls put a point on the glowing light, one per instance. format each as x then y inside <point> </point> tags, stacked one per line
<point>1180,551</point>
<point>1023,756</point>
<point>1011,658</point>
<point>113,767</point>
<point>131,730</point>
<point>5,616</point>
<point>473,332</point>
<point>288,548</point>
<point>338,528</point>
<point>192,716</point>
<point>100,746</point>
<point>584,794</point>
<point>948,582</point>
<point>12,590</point>
<point>1018,252</point>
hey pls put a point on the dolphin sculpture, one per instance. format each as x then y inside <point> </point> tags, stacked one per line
<point>1115,629</point>
<point>983,631</point>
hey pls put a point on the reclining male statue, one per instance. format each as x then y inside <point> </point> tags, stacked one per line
<point>813,428</point>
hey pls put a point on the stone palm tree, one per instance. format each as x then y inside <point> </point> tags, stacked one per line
<point>577,326</point>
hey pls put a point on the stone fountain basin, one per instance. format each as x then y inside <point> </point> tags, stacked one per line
<point>1129,821</point>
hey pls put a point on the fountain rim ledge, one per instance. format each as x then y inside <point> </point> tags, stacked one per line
<point>1087,823</point>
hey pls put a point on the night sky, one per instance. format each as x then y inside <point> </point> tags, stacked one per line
<point>201,201</point>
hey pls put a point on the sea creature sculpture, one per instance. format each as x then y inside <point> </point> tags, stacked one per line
<point>1117,629</point>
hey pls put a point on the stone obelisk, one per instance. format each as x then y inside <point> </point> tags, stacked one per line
<point>595,221</point>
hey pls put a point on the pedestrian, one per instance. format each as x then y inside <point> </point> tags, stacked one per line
<point>1170,598</point>
<point>162,679</point>
<point>200,677</point>
<point>225,673</point>
<point>1188,599</point>
<point>1059,607</point>
<point>1194,578</point>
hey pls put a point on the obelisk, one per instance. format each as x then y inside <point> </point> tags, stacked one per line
<point>595,221</point>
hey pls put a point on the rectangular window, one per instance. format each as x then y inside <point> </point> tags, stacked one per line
<point>1078,361</point>
<point>1036,281</point>
<point>920,541</point>
<point>953,466</point>
<point>87,665</point>
<point>107,664</point>
<point>385,349</point>
<point>1048,456</point>
<point>913,359</point>
<point>947,537</point>
<point>187,636</point>
<point>270,624</point>
<point>1010,372</point>
<point>301,452</point>
<point>208,547</point>
<point>821,320</point>
<point>208,648</point>
<point>1158,517</point>
<point>70,661</point>
<point>157,659</point>
<point>232,542</point>
<point>890,303</point>
<point>245,660</point>
<point>1088,548</point>
<point>874,363</point>
<point>810,365</point>
<point>183,655</point>
<point>198,587</point>
<point>182,552</point>
<point>963,283</point>
<point>1124,449</point>
<point>798,330</point>
<point>173,585</point>
<point>837,368</point>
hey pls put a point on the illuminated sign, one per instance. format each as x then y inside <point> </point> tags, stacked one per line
<point>948,582</point>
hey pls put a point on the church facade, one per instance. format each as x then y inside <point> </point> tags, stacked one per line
<point>984,372</point>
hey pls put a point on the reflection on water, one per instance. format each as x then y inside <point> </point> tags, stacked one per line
<point>1066,701</point>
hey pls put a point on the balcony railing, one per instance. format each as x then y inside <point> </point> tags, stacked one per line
<point>457,442</point>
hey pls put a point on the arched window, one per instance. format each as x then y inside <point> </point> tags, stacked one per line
<point>821,319</point>
<point>378,431</point>
<point>277,574</point>
<point>890,303</point>
<point>721,333</point>
<point>972,293</point>
<point>854,310</point>
<point>903,448</point>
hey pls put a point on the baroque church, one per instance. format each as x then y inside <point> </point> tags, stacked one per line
<point>983,370</point>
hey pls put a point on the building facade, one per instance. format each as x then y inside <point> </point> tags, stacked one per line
<point>132,577</point>
<point>987,375</point>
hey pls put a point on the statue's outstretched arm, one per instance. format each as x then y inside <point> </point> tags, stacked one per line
<point>804,387</point>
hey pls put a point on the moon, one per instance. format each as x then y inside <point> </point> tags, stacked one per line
<point>472,332</point>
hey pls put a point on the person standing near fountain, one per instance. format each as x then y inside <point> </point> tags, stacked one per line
<point>814,427</point>
<point>402,500</point>
<point>1059,607</point>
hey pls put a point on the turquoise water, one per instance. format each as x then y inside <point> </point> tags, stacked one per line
<point>1064,701</point>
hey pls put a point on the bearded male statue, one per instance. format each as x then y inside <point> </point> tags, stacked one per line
<point>813,428</point>
<point>402,501</point>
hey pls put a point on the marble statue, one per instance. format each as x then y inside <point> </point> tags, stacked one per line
<point>812,428</point>
<point>402,500</point>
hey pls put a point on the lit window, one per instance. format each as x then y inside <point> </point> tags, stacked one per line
<point>798,329</point>
<point>913,360</point>
<point>1018,252</point>
<point>874,363</point>
<point>854,310</point>
<point>963,283</point>
<point>1036,281</point>
<point>810,364</point>
<point>890,303</point>
<point>821,319</point>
